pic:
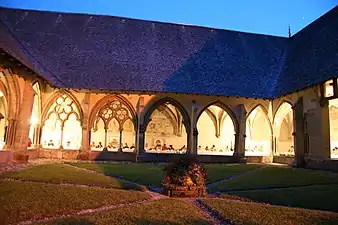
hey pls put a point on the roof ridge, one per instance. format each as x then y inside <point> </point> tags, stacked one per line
<point>147,20</point>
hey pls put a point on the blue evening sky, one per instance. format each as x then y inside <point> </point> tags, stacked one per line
<point>257,16</point>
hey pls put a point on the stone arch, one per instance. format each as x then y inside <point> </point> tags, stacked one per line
<point>159,134</point>
<point>223,142</point>
<point>62,122</point>
<point>251,143</point>
<point>104,101</point>
<point>152,106</point>
<point>279,105</point>
<point>283,146</point>
<point>223,106</point>
<point>53,98</point>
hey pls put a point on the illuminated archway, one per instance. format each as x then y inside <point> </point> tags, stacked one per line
<point>216,132</point>
<point>35,119</point>
<point>108,130</point>
<point>283,127</point>
<point>166,131</point>
<point>62,125</point>
<point>258,133</point>
<point>333,114</point>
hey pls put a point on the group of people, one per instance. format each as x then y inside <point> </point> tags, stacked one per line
<point>159,147</point>
<point>111,146</point>
<point>214,149</point>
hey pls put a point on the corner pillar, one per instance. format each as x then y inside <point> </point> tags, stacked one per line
<point>22,126</point>
<point>240,134</point>
<point>318,130</point>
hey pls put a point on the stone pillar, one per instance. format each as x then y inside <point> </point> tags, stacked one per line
<point>141,138</point>
<point>85,144</point>
<point>121,140</point>
<point>192,133</point>
<point>195,141</point>
<point>240,135</point>
<point>298,124</point>
<point>318,129</point>
<point>22,125</point>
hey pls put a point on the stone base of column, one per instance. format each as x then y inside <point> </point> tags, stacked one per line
<point>84,155</point>
<point>240,158</point>
<point>20,157</point>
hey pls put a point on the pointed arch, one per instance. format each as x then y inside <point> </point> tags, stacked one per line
<point>223,106</point>
<point>54,97</point>
<point>104,101</point>
<point>223,140</point>
<point>258,142</point>
<point>152,106</point>
<point>62,122</point>
<point>160,136</point>
<point>283,129</point>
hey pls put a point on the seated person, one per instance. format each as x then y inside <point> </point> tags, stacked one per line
<point>50,143</point>
<point>206,148</point>
<point>132,146</point>
<point>171,147</point>
<point>93,144</point>
<point>125,146</point>
<point>213,148</point>
<point>164,147</point>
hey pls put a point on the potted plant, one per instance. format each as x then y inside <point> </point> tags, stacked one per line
<point>184,177</point>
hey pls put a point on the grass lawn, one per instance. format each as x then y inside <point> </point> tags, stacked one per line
<point>58,173</point>
<point>278,177</point>
<point>323,197</point>
<point>152,174</point>
<point>218,172</point>
<point>168,211</point>
<point>23,201</point>
<point>259,214</point>
<point>146,174</point>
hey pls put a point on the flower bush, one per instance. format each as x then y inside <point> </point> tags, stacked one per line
<point>185,171</point>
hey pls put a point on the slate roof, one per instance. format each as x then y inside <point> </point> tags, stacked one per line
<point>104,52</point>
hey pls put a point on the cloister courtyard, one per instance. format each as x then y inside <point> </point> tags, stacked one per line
<point>128,193</point>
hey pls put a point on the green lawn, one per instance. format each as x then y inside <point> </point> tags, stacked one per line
<point>245,213</point>
<point>58,173</point>
<point>152,174</point>
<point>323,197</point>
<point>169,211</point>
<point>278,177</point>
<point>146,174</point>
<point>218,172</point>
<point>21,201</point>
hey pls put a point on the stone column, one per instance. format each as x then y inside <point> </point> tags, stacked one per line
<point>22,126</point>
<point>141,138</point>
<point>85,144</point>
<point>318,129</point>
<point>121,140</point>
<point>195,141</point>
<point>240,135</point>
<point>298,119</point>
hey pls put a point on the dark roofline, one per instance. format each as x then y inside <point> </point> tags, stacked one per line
<point>148,21</point>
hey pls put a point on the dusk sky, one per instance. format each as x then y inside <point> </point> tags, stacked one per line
<point>256,16</point>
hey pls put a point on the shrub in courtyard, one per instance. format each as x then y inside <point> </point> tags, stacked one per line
<point>185,176</point>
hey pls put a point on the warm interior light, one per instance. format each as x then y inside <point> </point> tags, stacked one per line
<point>1,94</point>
